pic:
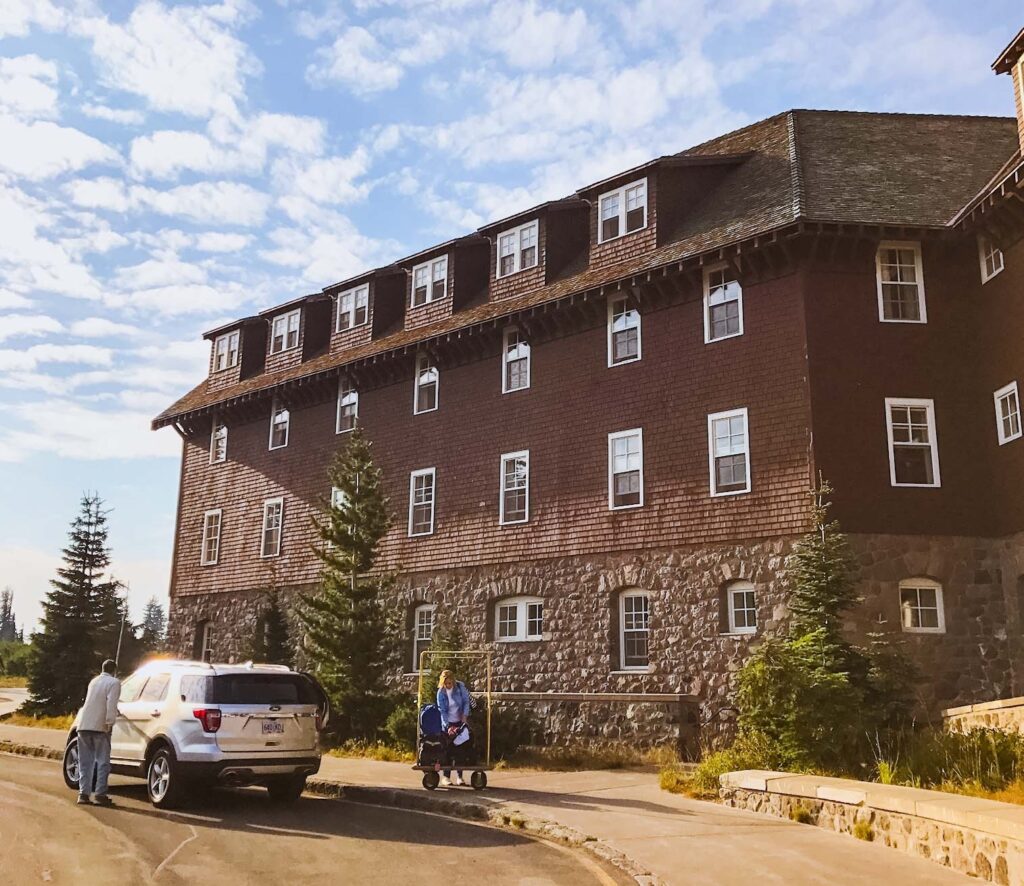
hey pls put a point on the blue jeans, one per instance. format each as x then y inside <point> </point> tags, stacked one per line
<point>93,753</point>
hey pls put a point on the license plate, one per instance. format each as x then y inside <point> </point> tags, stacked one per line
<point>273,727</point>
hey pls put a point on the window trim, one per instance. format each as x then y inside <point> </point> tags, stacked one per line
<point>638,432</point>
<point>516,232</point>
<point>423,357</point>
<point>429,265</point>
<point>933,441</point>
<point>622,630</point>
<point>421,607</point>
<point>226,337</point>
<point>354,292</point>
<point>286,318</point>
<point>509,330</point>
<point>217,423</point>
<point>267,503</point>
<point>984,241</point>
<point>508,456</point>
<point>203,560</point>
<point>621,191</point>
<point>1011,388</point>
<point>423,472</point>
<point>712,475</point>
<point>741,585</point>
<point>614,300</point>
<point>914,245</point>
<point>940,604</point>
<point>276,406</point>
<point>708,271</point>
<point>522,605</point>
<point>205,644</point>
<point>345,389</point>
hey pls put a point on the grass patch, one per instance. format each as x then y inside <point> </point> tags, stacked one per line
<point>7,682</point>
<point>862,831</point>
<point>586,757</point>
<point>19,719</point>
<point>801,815</point>
<point>373,750</point>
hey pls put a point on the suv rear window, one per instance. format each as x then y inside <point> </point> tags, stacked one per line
<point>249,689</point>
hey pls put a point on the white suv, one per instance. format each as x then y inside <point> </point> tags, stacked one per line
<point>184,723</point>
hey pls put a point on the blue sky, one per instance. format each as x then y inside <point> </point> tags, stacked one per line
<point>166,167</point>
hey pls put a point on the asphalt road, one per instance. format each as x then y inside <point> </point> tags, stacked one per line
<point>238,837</point>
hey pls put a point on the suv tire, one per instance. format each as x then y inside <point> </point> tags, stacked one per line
<point>165,784</point>
<point>286,788</point>
<point>70,765</point>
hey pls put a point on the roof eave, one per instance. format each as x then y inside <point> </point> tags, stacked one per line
<point>1011,55</point>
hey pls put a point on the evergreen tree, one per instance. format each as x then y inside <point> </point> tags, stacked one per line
<point>8,628</point>
<point>81,617</point>
<point>154,626</point>
<point>273,643</point>
<point>350,638</point>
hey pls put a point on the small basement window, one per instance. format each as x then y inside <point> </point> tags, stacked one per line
<point>519,619</point>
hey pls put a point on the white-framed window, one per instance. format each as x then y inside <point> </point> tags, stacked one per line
<point>515,373</point>
<point>426,386</point>
<point>623,331</point>
<point>622,211</point>
<point>353,308</point>
<point>723,304</point>
<point>430,281</point>
<point>913,444</point>
<point>921,609</point>
<point>273,526</point>
<point>280,419</point>
<point>348,407</point>
<point>421,501</point>
<point>1007,413</point>
<point>626,469</point>
<point>991,258</point>
<point>338,497</point>
<point>634,630</point>
<point>218,441</point>
<point>423,617</point>
<point>900,278</point>
<point>515,488</point>
<point>517,250</point>
<point>519,619</point>
<point>225,351</point>
<point>211,537</point>
<point>284,334</point>
<point>206,641</point>
<point>729,452</point>
<point>741,601</point>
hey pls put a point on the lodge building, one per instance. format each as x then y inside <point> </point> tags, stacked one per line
<point>599,419</point>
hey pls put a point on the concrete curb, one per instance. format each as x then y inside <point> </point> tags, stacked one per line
<point>398,798</point>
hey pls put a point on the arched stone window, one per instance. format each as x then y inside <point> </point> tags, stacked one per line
<point>202,641</point>
<point>422,632</point>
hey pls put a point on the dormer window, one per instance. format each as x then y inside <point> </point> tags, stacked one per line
<point>430,281</point>
<point>225,351</point>
<point>622,211</point>
<point>517,250</point>
<point>285,332</point>
<point>353,308</point>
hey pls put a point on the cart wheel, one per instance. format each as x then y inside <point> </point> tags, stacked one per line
<point>478,780</point>
<point>431,780</point>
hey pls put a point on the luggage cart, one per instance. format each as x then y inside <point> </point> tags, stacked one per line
<point>432,772</point>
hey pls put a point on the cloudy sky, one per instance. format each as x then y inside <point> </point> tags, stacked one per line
<point>167,167</point>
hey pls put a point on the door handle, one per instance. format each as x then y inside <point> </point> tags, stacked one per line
<point>155,713</point>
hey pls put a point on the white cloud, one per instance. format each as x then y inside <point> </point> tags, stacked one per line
<point>325,180</point>
<point>31,358</point>
<point>12,300</point>
<point>25,325</point>
<point>214,241</point>
<point>100,327</point>
<point>358,61</point>
<point>176,299</point>
<point>43,149</point>
<point>18,16</point>
<point>182,59</point>
<point>158,272</point>
<point>124,116</point>
<point>531,37</point>
<point>28,86</point>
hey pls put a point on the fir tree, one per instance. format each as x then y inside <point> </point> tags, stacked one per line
<point>350,639</point>
<point>154,626</point>
<point>81,617</point>
<point>273,643</point>
<point>8,628</point>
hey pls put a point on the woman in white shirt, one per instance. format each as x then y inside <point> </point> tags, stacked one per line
<point>453,703</point>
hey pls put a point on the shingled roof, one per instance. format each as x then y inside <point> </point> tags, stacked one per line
<point>908,170</point>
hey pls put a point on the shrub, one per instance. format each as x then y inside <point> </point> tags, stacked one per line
<point>751,750</point>
<point>401,724</point>
<point>862,830</point>
<point>801,815</point>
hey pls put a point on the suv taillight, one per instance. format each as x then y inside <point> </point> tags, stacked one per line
<point>319,721</point>
<point>209,717</point>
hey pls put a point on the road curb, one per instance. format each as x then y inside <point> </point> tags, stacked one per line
<point>30,750</point>
<point>504,818</point>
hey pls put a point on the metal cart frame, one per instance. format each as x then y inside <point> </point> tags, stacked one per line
<point>432,774</point>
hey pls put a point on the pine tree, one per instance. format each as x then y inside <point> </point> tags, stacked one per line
<point>154,626</point>
<point>81,617</point>
<point>8,628</point>
<point>272,642</point>
<point>350,638</point>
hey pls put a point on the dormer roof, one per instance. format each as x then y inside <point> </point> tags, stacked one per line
<point>1011,55</point>
<point>669,160</point>
<point>291,305</point>
<point>229,327</point>
<point>532,212</point>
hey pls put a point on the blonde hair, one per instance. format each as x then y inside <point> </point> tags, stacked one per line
<point>444,676</point>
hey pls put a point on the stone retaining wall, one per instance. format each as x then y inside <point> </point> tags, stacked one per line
<point>980,838</point>
<point>1006,715</point>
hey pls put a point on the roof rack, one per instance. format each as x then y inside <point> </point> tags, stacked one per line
<point>270,667</point>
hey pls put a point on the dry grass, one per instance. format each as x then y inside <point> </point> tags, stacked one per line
<point>680,780</point>
<point>19,719</point>
<point>373,751</point>
<point>1012,793</point>
<point>13,682</point>
<point>585,757</point>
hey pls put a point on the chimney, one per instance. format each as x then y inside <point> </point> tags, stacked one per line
<point>1011,61</point>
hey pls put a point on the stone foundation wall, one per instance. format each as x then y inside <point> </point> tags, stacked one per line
<point>1006,715</point>
<point>972,852</point>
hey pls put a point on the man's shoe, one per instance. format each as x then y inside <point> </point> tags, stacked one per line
<point>103,800</point>
<point>445,783</point>
<point>84,801</point>
<point>459,781</point>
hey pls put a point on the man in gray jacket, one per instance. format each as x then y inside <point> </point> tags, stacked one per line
<point>98,715</point>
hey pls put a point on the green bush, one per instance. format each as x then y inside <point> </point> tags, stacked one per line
<point>751,750</point>
<point>14,657</point>
<point>400,726</point>
<point>801,815</point>
<point>862,830</point>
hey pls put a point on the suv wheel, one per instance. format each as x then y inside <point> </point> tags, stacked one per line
<point>72,765</point>
<point>164,782</point>
<point>286,788</point>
